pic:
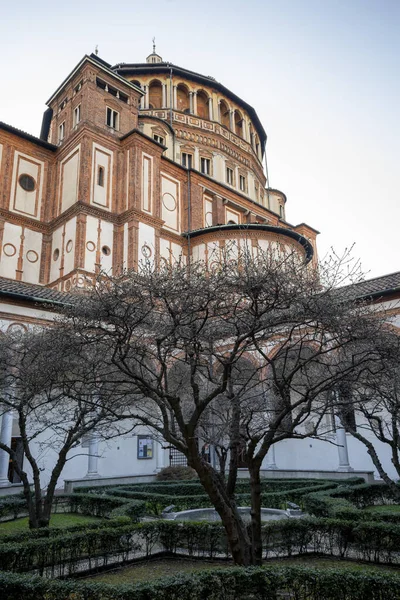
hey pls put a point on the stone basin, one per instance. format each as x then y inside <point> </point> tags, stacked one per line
<point>210,514</point>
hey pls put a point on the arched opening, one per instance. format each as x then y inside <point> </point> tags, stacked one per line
<point>224,114</point>
<point>137,83</point>
<point>202,105</point>
<point>155,95</point>
<point>238,123</point>
<point>251,135</point>
<point>182,97</point>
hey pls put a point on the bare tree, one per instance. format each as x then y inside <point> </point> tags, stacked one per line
<point>369,407</point>
<point>257,338</point>
<point>52,386</point>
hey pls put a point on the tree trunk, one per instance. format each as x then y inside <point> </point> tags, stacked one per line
<point>256,500</point>
<point>394,488</point>
<point>238,539</point>
<point>55,474</point>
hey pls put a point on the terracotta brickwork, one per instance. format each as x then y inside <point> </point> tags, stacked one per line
<point>72,236</point>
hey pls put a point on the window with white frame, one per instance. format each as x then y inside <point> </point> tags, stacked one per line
<point>205,166</point>
<point>187,160</point>
<point>229,175</point>
<point>159,139</point>
<point>112,118</point>
<point>61,132</point>
<point>77,115</point>
<point>242,183</point>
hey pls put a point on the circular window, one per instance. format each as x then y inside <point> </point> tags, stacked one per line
<point>32,256</point>
<point>9,249</point>
<point>56,254</point>
<point>106,251</point>
<point>90,246</point>
<point>27,182</point>
<point>69,245</point>
<point>146,251</point>
<point>169,202</point>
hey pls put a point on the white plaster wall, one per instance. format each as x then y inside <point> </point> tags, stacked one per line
<point>55,262</point>
<point>106,239</point>
<point>69,177</point>
<point>207,212</point>
<point>147,247</point>
<point>199,252</point>
<point>165,249</point>
<point>21,201</point>
<point>15,313</point>
<point>32,253</point>
<point>102,195</point>
<point>69,245</point>
<point>98,241</point>
<point>126,246</point>
<point>176,252</point>
<point>219,167</point>
<point>170,209</point>
<point>231,215</point>
<point>91,243</point>
<point>10,250</point>
<point>147,183</point>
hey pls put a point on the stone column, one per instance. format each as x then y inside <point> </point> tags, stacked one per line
<point>5,438</point>
<point>210,109</point>
<point>244,130</point>
<point>164,95</point>
<point>160,456</point>
<point>341,440</point>
<point>191,102</point>
<point>175,96</point>
<point>231,120</point>
<point>93,456</point>
<point>195,103</point>
<point>271,464</point>
<point>146,96</point>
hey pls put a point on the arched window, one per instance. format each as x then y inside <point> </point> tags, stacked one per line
<point>224,114</point>
<point>100,176</point>
<point>155,95</point>
<point>182,95</point>
<point>137,83</point>
<point>238,123</point>
<point>202,105</point>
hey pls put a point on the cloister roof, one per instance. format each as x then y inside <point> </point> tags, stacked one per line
<point>20,290</point>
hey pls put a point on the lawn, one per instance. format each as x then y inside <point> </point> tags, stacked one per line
<point>60,520</point>
<point>163,567</point>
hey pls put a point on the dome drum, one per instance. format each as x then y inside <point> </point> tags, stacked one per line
<point>207,243</point>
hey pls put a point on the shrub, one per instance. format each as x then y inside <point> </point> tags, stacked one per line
<point>292,583</point>
<point>176,473</point>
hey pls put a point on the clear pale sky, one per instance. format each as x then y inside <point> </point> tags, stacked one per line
<point>323,76</point>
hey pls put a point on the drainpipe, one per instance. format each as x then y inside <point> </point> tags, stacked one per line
<point>189,215</point>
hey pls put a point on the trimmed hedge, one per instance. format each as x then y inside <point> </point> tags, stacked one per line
<point>12,506</point>
<point>156,502</point>
<point>345,502</point>
<point>292,583</point>
<point>59,555</point>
